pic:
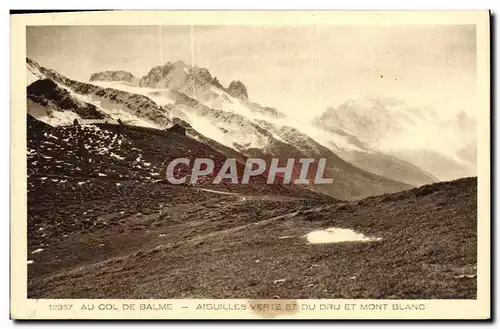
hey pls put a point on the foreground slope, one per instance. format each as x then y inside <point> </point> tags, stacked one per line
<point>199,244</point>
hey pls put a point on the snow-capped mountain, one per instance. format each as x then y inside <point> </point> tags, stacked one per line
<point>57,105</point>
<point>443,145</point>
<point>230,122</point>
<point>180,80</point>
<point>245,126</point>
<point>114,76</point>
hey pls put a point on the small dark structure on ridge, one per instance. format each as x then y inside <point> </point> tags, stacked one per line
<point>177,129</point>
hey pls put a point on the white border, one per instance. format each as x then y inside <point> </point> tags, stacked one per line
<point>146,4</point>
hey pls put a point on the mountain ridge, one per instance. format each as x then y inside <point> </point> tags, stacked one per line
<point>118,75</point>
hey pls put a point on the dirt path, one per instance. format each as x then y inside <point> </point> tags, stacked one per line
<point>170,227</point>
<point>253,197</point>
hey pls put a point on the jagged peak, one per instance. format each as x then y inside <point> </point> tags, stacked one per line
<point>215,82</point>
<point>169,66</point>
<point>176,75</point>
<point>237,89</point>
<point>30,61</point>
<point>32,64</point>
<point>118,75</point>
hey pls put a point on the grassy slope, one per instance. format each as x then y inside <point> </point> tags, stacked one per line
<point>204,245</point>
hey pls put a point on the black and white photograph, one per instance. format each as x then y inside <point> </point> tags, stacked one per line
<point>257,163</point>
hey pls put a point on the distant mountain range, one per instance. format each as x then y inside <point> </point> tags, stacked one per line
<point>442,145</point>
<point>372,146</point>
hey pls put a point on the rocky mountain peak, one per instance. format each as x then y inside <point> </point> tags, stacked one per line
<point>237,89</point>
<point>217,83</point>
<point>113,76</point>
<point>176,76</point>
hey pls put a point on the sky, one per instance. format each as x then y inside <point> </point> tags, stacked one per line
<point>300,70</point>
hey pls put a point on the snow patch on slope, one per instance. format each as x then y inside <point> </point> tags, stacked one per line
<point>53,118</point>
<point>227,133</point>
<point>337,235</point>
<point>159,96</point>
<point>115,113</point>
<point>330,140</point>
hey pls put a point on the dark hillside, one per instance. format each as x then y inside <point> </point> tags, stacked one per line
<point>256,247</point>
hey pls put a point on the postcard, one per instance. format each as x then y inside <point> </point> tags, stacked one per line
<point>250,165</point>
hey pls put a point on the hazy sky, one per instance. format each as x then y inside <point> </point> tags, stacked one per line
<point>300,70</point>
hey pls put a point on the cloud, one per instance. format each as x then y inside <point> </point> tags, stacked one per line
<point>288,67</point>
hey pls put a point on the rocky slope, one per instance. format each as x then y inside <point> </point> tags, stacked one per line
<point>229,130</point>
<point>198,83</point>
<point>346,177</point>
<point>208,91</point>
<point>237,89</point>
<point>176,242</point>
<point>122,152</point>
<point>103,223</point>
<point>131,108</point>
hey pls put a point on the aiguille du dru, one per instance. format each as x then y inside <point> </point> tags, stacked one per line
<point>305,170</point>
